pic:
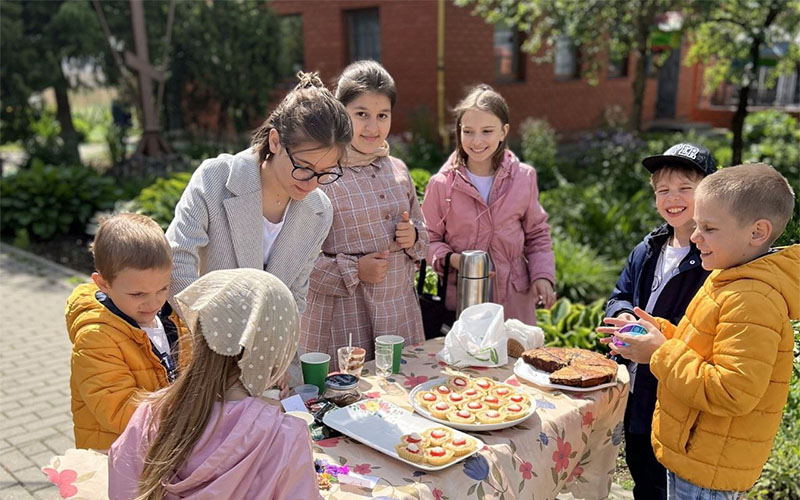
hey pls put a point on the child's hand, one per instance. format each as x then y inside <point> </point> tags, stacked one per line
<point>640,348</point>
<point>283,385</point>
<point>543,293</point>
<point>404,233</point>
<point>372,267</point>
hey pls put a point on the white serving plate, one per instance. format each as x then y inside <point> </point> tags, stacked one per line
<point>412,398</point>
<point>541,378</point>
<point>380,424</point>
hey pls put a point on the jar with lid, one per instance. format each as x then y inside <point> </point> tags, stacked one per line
<point>341,390</point>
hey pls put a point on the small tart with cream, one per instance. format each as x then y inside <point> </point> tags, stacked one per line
<point>459,383</point>
<point>410,452</point>
<point>461,445</point>
<point>414,438</point>
<point>425,398</point>
<point>514,411</point>
<point>440,409</point>
<point>438,455</point>
<point>491,401</point>
<point>502,391</point>
<point>474,406</point>
<point>437,436</point>
<point>484,383</point>
<point>473,393</point>
<point>441,390</point>
<point>491,416</point>
<point>519,398</point>
<point>461,416</point>
<point>456,398</point>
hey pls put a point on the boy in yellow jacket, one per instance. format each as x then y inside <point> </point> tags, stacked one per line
<point>723,373</point>
<point>124,334</point>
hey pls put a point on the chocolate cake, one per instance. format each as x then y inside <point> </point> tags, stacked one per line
<point>571,366</point>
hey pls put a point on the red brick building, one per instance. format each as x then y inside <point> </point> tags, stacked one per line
<point>404,36</point>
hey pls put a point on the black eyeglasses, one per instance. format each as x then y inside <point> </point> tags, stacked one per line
<point>306,174</point>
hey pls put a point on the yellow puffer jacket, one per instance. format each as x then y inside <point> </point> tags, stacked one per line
<point>113,367</point>
<point>723,374</point>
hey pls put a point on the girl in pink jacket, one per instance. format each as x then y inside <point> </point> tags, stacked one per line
<point>484,198</point>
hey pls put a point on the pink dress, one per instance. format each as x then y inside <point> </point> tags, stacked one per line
<point>256,452</point>
<point>368,202</point>
<point>512,227</point>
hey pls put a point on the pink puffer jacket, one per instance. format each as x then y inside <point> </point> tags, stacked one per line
<point>512,228</point>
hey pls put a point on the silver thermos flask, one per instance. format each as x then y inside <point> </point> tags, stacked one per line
<point>472,286</point>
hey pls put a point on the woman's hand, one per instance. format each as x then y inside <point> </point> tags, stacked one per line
<point>404,232</point>
<point>640,348</point>
<point>543,293</point>
<point>372,267</point>
<point>283,385</point>
<point>455,261</point>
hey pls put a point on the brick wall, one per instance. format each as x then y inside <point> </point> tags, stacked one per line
<point>408,51</point>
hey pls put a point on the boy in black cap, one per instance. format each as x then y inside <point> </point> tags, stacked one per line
<point>661,276</point>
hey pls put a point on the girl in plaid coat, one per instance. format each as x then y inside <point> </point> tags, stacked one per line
<point>363,281</point>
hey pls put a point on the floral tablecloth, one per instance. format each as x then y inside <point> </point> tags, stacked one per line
<point>569,445</point>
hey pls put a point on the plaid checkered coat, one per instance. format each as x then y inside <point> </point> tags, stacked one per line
<point>368,202</point>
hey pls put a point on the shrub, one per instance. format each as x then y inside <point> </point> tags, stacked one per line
<point>44,145</point>
<point>158,200</point>
<point>420,147</point>
<point>538,148</point>
<point>49,201</point>
<point>582,275</point>
<point>568,324</point>
<point>420,178</point>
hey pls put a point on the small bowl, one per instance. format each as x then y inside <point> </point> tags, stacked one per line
<point>307,391</point>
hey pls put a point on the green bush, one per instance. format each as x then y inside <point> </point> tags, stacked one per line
<point>582,274</point>
<point>43,202</point>
<point>420,147</point>
<point>158,200</point>
<point>598,216</point>
<point>44,145</point>
<point>420,177</point>
<point>773,137</point>
<point>568,324</point>
<point>92,123</point>
<point>538,148</point>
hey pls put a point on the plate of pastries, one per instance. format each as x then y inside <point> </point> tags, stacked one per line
<point>567,368</point>
<point>472,404</point>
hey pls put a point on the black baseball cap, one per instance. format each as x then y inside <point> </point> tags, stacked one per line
<point>688,155</point>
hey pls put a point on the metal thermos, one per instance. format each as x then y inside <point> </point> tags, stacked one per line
<point>472,286</point>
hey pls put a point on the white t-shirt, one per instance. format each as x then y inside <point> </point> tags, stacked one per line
<point>158,337</point>
<point>271,230</point>
<point>483,184</point>
<point>666,267</point>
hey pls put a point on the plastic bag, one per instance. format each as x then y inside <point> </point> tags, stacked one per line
<point>522,337</point>
<point>478,338</point>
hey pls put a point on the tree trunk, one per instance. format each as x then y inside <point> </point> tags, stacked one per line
<point>737,125</point>
<point>640,72</point>
<point>64,115</point>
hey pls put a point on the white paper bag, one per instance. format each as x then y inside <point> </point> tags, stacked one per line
<point>478,338</point>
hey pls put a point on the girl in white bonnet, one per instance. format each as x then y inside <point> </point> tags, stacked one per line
<point>209,435</point>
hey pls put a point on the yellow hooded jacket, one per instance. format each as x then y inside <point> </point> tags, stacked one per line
<point>723,374</point>
<point>113,368</point>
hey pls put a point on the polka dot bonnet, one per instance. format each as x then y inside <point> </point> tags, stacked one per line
<point>245,311</point>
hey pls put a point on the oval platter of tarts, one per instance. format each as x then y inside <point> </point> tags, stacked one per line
<point>471,403</point>
<point>387,428</point>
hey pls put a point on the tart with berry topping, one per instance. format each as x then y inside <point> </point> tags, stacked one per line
<point>441,390</point>
<point>426,398</point>
<point>491,401</point>
<point>440,409</point>
<point>411,452</point>
<point>437,436</point>
<point>456,398</point>
<point>491,416</point>
<point>414,438</point>
<point>461,445</point>
<point>484,383</point>
<point>438,455</point>
<point>459,383</point>
<point>514,411</point>
<point>502,391</point>
<point>472,393</point>
<point>520,398</point>
<point>461,416</point>
<point>474,406</point>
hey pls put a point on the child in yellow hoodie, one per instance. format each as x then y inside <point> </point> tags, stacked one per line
<point>723,373</point>
<point>124,334</point>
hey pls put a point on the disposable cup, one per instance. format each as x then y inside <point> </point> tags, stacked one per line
<point>315,368</point>
<point>396,341</point>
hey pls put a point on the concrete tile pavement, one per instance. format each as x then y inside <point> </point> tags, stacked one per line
<point>35,419</point>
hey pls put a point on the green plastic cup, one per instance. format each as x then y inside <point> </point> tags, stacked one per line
<point>396,341</point>
<point>315,368</point>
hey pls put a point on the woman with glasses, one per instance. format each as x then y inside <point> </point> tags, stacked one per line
<point>261,208</point>
<point>363,282</point>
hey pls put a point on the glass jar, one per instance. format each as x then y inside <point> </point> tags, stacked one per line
<point>341,390</point>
